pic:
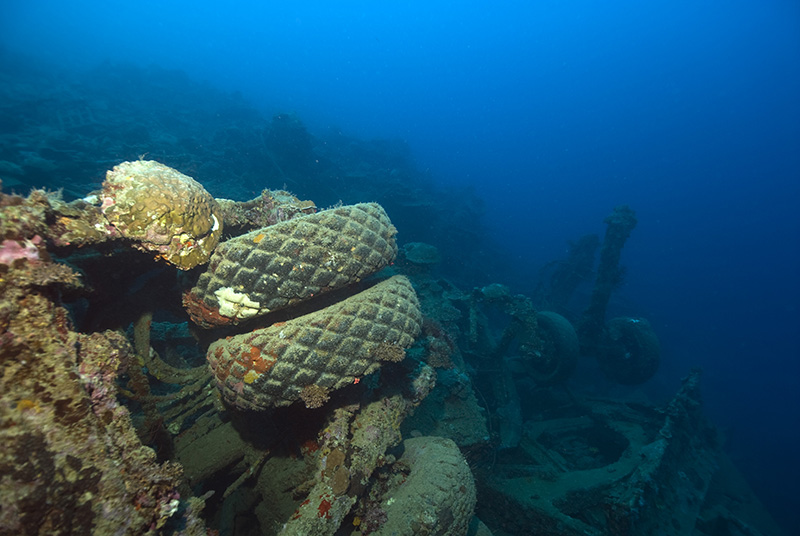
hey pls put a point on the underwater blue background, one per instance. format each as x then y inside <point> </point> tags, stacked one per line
<point>553,112</point>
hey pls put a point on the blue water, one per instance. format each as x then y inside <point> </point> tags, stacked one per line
<point>554,112</point>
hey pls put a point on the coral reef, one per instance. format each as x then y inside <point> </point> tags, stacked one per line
<point>144,203</point>
<point>24,217</point>
<point>71,460</point>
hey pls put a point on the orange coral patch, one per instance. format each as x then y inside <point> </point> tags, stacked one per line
<point>261,365</point>
<point>324,508</point>
<point>254,361</point>
<point>258,238</point>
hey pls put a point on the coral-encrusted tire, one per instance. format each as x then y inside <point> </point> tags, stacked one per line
<point>318,352</point>
<point>290,262</point>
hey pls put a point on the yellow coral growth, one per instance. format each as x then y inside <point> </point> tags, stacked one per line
<point>250,377</point>
<point>26,404</point>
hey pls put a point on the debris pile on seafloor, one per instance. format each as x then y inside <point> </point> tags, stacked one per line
<point>112,421</point>
<point>73,455</point>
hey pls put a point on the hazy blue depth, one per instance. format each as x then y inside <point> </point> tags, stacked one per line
<point>688,111</point>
